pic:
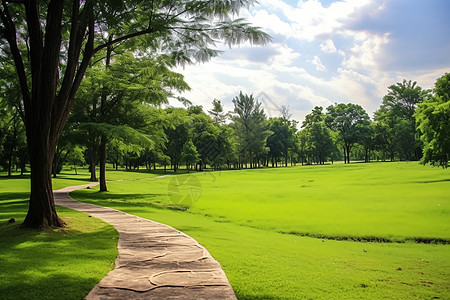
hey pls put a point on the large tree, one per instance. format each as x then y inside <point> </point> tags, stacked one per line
<point>433,119</point>
<point>52,42</point>
<point>396,114</point>
<point>251,126</point>
<point>319,141</point>
<point>282,138</point>
<point>351,121</point>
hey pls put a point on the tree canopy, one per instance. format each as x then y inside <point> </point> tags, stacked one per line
<point>433,119</point>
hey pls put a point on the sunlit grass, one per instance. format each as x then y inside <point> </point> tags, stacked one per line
<point>240,215</point>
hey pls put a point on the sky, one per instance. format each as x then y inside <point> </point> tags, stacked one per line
<point>325,52</point>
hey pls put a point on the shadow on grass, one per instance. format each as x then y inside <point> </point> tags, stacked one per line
<point>62,263</point>
<point>14,196</point>
<point>130,198</point>
<point>72,178</point>
<point>24,176</point>
<point>432,181</point>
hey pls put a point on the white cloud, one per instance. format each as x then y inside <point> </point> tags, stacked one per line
<point>309,19</point>
<point>319,66</point>
<point>366,52</point>
<point>307,37</point>
<point>328,46</point>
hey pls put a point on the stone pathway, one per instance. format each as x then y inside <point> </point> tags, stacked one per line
<point>155,261</point>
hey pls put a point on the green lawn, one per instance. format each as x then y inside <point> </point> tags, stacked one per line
<point>63,263</point>
<point>243,218</point>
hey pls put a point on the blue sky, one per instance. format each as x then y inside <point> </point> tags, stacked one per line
<point>326,51</point>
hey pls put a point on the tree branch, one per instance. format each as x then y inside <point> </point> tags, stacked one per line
<point>123,38</point>
<point>36,46</point>
<point>72,58</point>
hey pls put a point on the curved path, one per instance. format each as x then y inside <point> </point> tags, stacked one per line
<point>155,261</point>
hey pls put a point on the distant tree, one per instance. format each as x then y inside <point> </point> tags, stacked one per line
<point>217,113</point>
<point>281,139</point>
<point>396,114</point>
<point>351,121</point>
<point>387,132</point>
<point>368,140</point>
<point>433,119</point>
<point>285,113</point>
<point>189,155</point>
<point>177,134</point>
<point>12,129</point>
<point>319,142</point>
<point>250,126</point>
<point>51,44</point>
<point>75,157</point>
<point>301,146</point>
<point>275,141</point>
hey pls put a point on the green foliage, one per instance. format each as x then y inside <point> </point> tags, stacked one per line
<point>217,113</point>
<point>250,125</point>
<point>433,119</point>
<point>396,127</point>
<point>189,155</point>
<point>318,142</point>
<point>351,121</point>
<point>282,138</point>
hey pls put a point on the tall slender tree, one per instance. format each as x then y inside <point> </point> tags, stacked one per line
<point>250,126</point>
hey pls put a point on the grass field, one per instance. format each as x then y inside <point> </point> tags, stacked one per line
<point>256,223</point>
<point>63,263</point>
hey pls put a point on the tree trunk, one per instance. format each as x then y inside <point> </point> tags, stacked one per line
<point>348,154</point>
<point>92,163</point>
<point>41,210</point>
<point>13,145</point>
<point>102,154</point>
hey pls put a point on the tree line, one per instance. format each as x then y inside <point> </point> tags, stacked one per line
<point>135,132</point>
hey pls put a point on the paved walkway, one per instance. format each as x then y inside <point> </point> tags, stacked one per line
<point>155,261</point>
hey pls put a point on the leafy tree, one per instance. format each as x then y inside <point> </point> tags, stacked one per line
<point>189,155</point>
<point>387,132</point>
<point>368,140</point>
<point>177,134</point>
<point>301,146</point>
<point>351,121</point>
<point>12,130</point>
<point>250,126</point>
<point>281,139</point>
<point>433,119</point>
<point>54,42</point>
<point>319,142</point>
<point>205,136</point>
<point>396,114</point>
<point>76,157</point>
